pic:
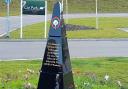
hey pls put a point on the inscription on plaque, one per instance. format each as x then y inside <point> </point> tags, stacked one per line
<point>52,54</point>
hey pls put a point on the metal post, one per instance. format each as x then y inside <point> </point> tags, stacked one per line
<point>45,33</point>
<point>8,22</point>
<point>97,22</point>
<point>62,5</point>
<point>21,20</point>
<point>67,11</point>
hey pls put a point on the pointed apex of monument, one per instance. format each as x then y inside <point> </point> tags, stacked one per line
<point>57,23</point>
<point>56,71</point>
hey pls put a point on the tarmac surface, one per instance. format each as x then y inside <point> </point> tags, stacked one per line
<point>78,49</point>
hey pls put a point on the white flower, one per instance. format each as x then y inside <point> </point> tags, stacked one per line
<point>119,83</point>
<point>27,86</point>
<point>86,84</point>
<point>26,77</point>
<point>30,71</point>
<point>19,71</point>
<point>106,77</point>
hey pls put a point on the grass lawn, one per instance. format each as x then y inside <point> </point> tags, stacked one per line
<point>13,12</point>
<point>14,7</point>
<point>88,73</point>
<point>107,29</point>
<point>76,6</point>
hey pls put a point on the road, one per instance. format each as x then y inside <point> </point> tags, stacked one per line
<point>78,49</point>
<point>31,19</point>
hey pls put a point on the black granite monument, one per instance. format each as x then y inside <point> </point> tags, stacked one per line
<point>56,72</point>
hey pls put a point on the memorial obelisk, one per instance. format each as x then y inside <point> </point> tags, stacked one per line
<point>56,72</point>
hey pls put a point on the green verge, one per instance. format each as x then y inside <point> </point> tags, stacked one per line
<point>88,73</point>
<point>76,6</point>
<point>34,31</point>
<point>14,8</point>
<point>13,12</point>
<point>107,29</point>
